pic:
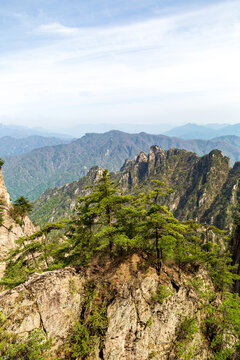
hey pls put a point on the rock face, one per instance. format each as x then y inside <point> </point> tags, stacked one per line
<point>206,188</point>
<point>47,301</point>
<point>196,181</point>
<point>139,328</point>
<point>10,231</point>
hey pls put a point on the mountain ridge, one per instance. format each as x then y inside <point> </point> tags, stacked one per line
<point>17,146</point>
<point>20,131</point>
<point>204,132</point>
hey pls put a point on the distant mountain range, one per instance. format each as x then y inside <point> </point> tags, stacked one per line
<point>30,174</point>
<point>206,188</point>
<point>16,146</point>
<point>16,131</point>
<point>210,131</point>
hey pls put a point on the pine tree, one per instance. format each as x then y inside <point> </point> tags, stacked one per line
<point>159,231</point>
<point>97,225</point>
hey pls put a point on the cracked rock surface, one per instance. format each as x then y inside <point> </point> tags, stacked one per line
<point>139,328</point>
<point>49,301</point>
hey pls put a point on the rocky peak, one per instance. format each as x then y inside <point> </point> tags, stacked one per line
<point>156,154</point>
<point>141,157</point>
<point>138,159</point>
<point>215,158</point>
<point>95,173</point>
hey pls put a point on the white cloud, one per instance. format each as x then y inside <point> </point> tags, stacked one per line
<point>180,65</point>
<point>55,28</point>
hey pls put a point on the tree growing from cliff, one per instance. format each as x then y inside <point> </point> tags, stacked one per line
<point>22,206</point>
<point>32,253</point>
<point>20,209</point>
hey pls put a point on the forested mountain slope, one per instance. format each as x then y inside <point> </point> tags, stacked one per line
<point>206,188</point>
<point>31,173</point>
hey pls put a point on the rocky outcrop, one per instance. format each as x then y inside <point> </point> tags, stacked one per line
<point>50,301</point>
<point>10,230</point>
<point>139,327</point>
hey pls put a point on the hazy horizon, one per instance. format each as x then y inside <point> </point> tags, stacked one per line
<point>145,63</point>
<point>81,129</point>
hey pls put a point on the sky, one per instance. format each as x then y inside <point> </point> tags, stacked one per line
<point>69,63</point>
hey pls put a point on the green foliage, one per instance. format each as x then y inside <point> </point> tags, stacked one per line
<point>185,334</point>
<point>98,225</point>
<point>162,293</point>
<point>32,253</point>
<point>1,211</point>
<point>149,322</point>
<point>88,332</point>
<point>187,329</point>
<point>152,355</point>
<point>158,231</point>
<point>81,342</point>
<point>1,162</point>
<point>220,267</point>
<point>34,347</point>
<point>196,284</point>
<point>222,326</point>
<point>20,208</point>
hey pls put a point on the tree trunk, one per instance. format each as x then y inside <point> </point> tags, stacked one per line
<point>108,213</point>
<point>236,255</point>
<point>159,253</point>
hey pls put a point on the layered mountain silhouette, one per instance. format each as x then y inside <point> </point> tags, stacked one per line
<point>205,132</point>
